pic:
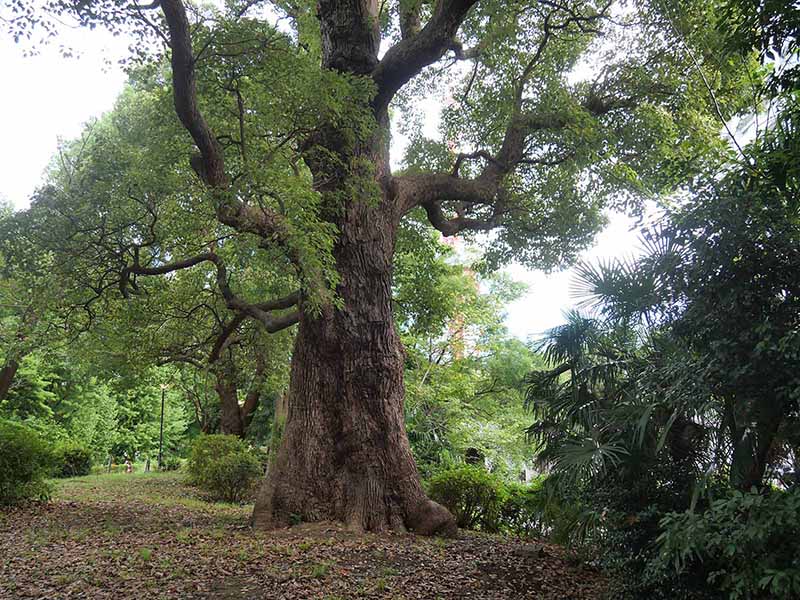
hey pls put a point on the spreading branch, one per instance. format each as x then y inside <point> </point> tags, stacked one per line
<point>259,312</point>
<point>417,50</point>
<point>209,164</point>
<point>479,202</point>
<point>223,339</point>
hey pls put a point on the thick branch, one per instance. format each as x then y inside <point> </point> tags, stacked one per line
<point>409,18</point>
<point>409,56</point>
<point>182,358</point>
<point>211,167</point>
<point>431,190</point>
<point>231,326</point>
<point>350,34</point>
<point>253,396</point>
<point>454,225</point>
<point>210,164</point>
<point>223,339</point>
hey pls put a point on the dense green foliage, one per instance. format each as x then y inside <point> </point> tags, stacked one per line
<point>670,417</point>
<point>464,373</point>
<point>112,416</point>
<point>485,501</point>
<point>206,449</point>
<point>526,511</point>
<point>232,477</point>
<point>25,462</point>
<point>748,543</point>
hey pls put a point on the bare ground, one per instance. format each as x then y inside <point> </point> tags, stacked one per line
<point>151,536</point>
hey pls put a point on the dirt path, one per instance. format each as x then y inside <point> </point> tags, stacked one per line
<point>150,536</point>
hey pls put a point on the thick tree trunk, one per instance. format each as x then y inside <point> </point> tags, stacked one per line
<point>7,374</point>
<point>236,418</point>
<point>344,454</point>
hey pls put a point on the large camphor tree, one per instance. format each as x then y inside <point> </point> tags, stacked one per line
<point>553,110</point>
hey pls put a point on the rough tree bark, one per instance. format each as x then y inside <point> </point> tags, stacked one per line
<point>344,454</point>
<point>235,418</point>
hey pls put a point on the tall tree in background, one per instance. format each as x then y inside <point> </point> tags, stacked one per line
<point>542,150</point>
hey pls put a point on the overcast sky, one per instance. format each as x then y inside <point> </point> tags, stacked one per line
<point>47,97</point>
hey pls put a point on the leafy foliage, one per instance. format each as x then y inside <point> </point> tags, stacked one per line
<point>232,477</point>
<point>463,371</point>
<point>748,544</point>
<point>525,509</point>
<point>72,460</point>
<point>682,386</point>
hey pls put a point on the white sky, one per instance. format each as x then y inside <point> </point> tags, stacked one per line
<point>47,97</point>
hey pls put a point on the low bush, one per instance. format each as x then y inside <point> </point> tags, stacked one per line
<point>472,494</point>
<point>25,462</point>
<point>171,463</point>
<point>206,449</point>
<point>223,466</point>
<point>524,509</point>
<point>233,477</point>
<point>72,460</point>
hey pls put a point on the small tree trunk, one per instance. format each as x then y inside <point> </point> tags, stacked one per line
<point>231,422</point>
<point>7,374</point>
<point>344,454</point>
<point>253,396</point>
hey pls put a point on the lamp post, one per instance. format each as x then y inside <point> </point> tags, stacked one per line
<point>164,387</point>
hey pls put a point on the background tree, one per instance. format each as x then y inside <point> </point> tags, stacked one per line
<point>91,220</point>
<point>463,372</point>
<point>721,277</point>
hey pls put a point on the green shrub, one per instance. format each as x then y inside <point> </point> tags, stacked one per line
<point>232,478</point>
<point>223,466</point>
<point>25,461</point>
<point>206,449</point>
<point>747,545</point>
<point>72,460</point>
<point>524,508</point>
<point>472,494</point>
<point>171,463</point>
